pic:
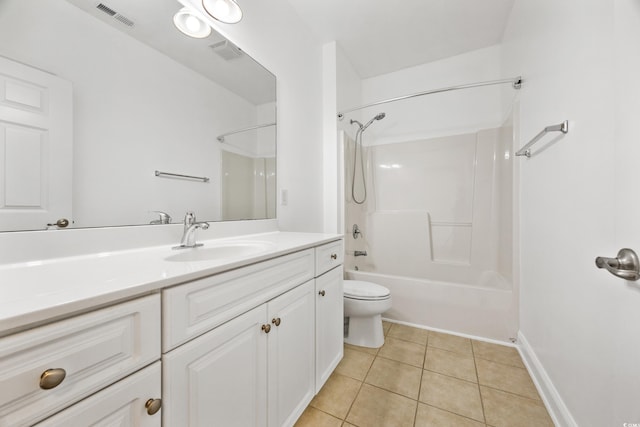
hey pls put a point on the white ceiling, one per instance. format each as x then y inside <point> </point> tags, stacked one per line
<point>382,36</point>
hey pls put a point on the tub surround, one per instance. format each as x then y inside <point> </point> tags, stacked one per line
<point>34,292</point>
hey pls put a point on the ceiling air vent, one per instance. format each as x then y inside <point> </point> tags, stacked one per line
<point>126,21</point>
<point>106,9</point>
<point>115,15</point>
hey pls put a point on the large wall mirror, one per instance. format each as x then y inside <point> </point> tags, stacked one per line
<point>109,115</point>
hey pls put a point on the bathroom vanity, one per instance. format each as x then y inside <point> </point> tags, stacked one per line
<point>242,331</point>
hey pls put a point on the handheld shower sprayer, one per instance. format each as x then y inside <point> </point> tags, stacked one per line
<point>358,144</point>
<point>378,116</point>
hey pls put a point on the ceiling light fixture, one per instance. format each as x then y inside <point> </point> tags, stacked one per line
<point>227,11</point>
<point>190,24</point>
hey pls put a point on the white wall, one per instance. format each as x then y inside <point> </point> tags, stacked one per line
<point>579,325</point>
<point>273,34</point>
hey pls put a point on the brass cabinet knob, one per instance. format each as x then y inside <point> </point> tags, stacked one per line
<point>153,406</point>
<point>276,321</point>
<point>322,293</point>
<point>266,328</point>
<point>52,378</point>
<point>334,256</point>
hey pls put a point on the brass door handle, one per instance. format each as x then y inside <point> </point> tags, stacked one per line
<point>153,406</point>
<point>276,321</point>
<point>51,378</point>
<point>61,223</point>
<point>334,256</point>
<point>322,293</point>
<point>266,328</point>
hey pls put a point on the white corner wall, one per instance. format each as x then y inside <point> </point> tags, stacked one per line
<point>273,34</point>
<point>578,325</point>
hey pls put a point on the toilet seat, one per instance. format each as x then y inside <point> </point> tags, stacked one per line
<point>367,291</point>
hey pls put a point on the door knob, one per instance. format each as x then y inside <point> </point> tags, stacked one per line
<point>625,265</point>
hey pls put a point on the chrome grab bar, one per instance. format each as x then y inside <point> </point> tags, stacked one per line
<point>625,265</point>
<point>562,127</point>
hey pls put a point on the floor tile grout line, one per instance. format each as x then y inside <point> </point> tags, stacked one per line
<point>484,416</point>
<point>324,412</point>
<point>450,412</point>
<point>500,363</point>
<point>513,394</point>
<point>424,362</point>
<point>400,361</point>
<point>359,390</point>
<point>452,376</point>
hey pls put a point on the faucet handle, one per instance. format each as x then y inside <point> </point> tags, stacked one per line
<point>189,218</point>
<point>165,218</point>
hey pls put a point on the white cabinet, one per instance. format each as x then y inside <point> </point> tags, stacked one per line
<point>291,354</point>
<point>48,368</point>
<point>220,378</point>
<point>247,347</point>
<point>329,324</point>
<point>130,402</point>
<point>196,307</point>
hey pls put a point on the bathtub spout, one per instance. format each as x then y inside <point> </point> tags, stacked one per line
<point>359,253</point>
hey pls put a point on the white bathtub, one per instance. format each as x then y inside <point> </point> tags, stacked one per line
<point>487,308</point>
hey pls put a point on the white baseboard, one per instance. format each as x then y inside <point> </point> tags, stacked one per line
<point>555,405</point>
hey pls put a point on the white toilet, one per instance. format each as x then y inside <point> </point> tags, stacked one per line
<point>364,303</point>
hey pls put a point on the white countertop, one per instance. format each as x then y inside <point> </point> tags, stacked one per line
<point>35,292</point>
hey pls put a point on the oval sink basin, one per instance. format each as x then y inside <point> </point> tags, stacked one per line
<point>212,253</point>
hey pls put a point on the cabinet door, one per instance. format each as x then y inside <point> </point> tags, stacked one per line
<point>291,354</point>
<point>124,404</point>
<point>329,324</point>
<point>220,378</point>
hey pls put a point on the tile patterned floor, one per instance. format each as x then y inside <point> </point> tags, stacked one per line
<point>422,378</point>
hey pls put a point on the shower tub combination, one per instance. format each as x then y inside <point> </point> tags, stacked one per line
<point>436,227</point>
<point>484,309</point>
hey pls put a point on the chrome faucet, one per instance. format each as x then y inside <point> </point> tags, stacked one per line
<point>189,234</point>
<point>165,218</point>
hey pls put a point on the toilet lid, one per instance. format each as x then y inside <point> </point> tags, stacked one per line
<point>359,289</point>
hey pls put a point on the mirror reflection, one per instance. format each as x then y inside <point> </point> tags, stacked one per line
<point>109,115</point>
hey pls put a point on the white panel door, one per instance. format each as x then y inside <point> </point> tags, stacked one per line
<point>329,324</point>
<point>219,378</point>
<point>36,143</point>
<point>291,354</point>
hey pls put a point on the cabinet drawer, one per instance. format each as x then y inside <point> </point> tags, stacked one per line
<point>328,256</point>
<point>122,404</point>
<point>196,307</point>
<point>93,349</point>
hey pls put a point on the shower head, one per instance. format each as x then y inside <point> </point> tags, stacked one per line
<point>378,116</point>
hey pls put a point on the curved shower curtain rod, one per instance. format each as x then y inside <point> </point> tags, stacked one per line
<point>516,82</point>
